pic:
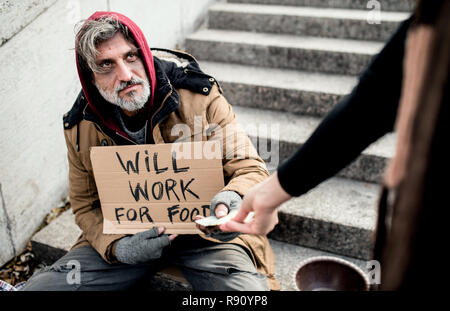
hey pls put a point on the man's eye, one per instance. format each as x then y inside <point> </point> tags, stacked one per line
<point>131,57</point>
<point>105,64</point>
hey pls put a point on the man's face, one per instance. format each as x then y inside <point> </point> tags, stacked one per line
<point>122,79</point>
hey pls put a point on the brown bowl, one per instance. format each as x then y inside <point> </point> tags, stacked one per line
<point>325,273</point>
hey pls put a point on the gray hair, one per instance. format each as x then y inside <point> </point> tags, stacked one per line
<point>94,32</point>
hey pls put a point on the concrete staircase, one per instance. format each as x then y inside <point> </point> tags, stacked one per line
<point>287,63</point>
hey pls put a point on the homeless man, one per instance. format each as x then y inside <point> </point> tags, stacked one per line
<point>132,95</point>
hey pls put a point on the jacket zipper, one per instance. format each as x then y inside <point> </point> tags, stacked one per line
<point>145,132</point>
<point>98,126</point>
<point>120,135</point>
<point>160,107</point>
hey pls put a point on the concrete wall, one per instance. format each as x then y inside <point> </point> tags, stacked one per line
<point>38,84</point>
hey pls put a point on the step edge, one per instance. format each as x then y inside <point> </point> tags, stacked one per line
<point>301,12</point>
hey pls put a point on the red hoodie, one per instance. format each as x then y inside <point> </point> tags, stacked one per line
<point>90,91</point>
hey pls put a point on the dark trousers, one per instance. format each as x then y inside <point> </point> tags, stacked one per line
<point>209,266</point>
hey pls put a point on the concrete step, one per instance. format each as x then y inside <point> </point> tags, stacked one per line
<point>385,5</point>
<point>279,134</point>
<point>56,239</point>
<point>304,21</point>
<point>293,91</point>
<point>338,56</point>
<point>338,216</point>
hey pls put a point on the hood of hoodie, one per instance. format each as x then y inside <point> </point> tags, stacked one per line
<point>167,70</point>
<point>97,104</point>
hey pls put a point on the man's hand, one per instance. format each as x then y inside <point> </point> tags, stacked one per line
<point>263,199</point>
<point>222,203</point>
<point>143,246</point>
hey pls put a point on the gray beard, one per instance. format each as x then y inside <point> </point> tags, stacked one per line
<point>136,102</point>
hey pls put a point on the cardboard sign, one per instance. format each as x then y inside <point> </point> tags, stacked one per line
<point>142,186</point>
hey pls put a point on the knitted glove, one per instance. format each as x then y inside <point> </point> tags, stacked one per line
<point>233,201</point>
<point>141,247</point>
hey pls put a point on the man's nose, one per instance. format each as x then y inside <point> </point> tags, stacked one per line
<point>123,72</point>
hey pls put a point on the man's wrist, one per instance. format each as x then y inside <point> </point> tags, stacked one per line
<point>111,252</point>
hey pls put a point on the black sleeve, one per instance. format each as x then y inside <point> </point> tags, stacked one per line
<point>358,120</point>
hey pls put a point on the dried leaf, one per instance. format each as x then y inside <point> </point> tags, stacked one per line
<point>26,257</point>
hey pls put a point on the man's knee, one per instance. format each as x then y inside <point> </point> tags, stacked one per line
<point>64,274</point>
<point>243,281</point>
<point>223,267</point>
<point>53,278</point>
<point>84,269</point>
<point>232,280</point>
